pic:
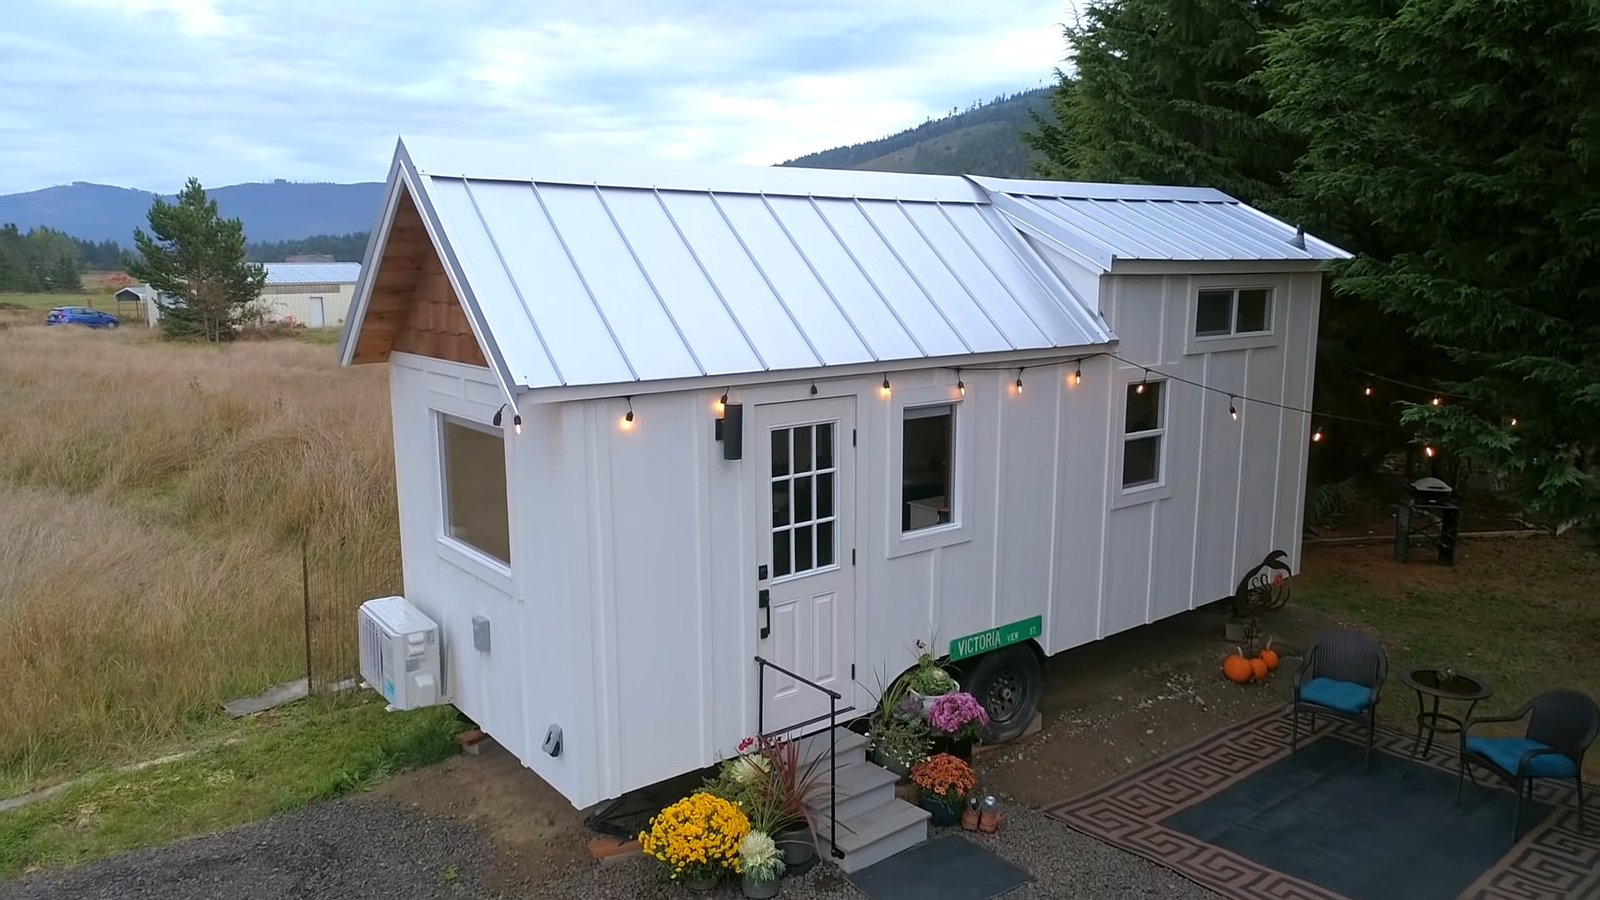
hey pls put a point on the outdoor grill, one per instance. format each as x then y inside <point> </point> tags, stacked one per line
<point>1429,513</point>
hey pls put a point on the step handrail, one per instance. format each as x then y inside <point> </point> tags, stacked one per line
<point>762,665</point>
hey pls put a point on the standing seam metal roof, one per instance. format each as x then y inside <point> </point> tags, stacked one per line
<point>312,273</point>
<point>574,281</point>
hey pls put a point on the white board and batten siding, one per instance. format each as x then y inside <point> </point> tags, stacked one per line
<point>628,615</point>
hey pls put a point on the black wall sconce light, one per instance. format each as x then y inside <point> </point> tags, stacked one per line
<point>730,430</point>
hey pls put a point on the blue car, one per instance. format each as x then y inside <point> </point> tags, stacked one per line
<point>81,315</point>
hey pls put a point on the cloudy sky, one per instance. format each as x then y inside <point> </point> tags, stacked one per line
<point>143,93</point>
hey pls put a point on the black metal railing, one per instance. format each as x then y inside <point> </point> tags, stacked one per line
<point>832,715</point>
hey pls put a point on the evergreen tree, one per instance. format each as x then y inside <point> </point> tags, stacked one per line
<point>1458,143</point>
<point>1162,93</point>
<point>198,258</point>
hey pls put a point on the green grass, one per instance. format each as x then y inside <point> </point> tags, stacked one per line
<point>303,754</point>
<point>1520,613</point>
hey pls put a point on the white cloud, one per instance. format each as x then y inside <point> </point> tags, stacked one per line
<point>147,92</point>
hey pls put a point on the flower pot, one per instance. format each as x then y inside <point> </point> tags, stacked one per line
<point>760,889</point>
<point>798,846</point>
<point>959,748</point>
<point>702,884</point>
<point>884,762</point>
<point>928,700</point>
<point>943,813</point>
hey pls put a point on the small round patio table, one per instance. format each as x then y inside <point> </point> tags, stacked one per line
<point>1441,684</point>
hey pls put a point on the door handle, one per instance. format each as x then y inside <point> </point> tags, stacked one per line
<point>764,603</point>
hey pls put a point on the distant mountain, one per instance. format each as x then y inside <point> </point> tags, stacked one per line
<point>986,139</point>
<point>275,211</point>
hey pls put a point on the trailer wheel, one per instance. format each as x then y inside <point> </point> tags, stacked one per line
<point>1008,683</point>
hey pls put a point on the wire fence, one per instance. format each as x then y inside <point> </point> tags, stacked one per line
<point>339,571</point>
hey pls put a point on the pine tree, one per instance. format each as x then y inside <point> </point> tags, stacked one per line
<point>1162,93</point>
<point>196,257</point>
<point>1458,143</point>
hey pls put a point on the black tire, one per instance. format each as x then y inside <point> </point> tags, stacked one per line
<point>1008,683</point>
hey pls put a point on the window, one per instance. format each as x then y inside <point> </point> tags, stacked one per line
<point>804,498</point>
<point>1219,313</point>
<point>475,488</point>
<point>1143,428</point>
<point>927,450</point>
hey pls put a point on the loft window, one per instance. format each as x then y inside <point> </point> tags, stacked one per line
<point>1144,427</point>
<point>1230,311</point>
<point>927,455</point>
<point>475,510</point>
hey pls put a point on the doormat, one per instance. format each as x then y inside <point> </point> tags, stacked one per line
<point>950,868</point>
<point>1241,815</point>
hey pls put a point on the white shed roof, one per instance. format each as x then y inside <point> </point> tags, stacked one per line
<point>312,273</point>
<point>1104,223</point>
<point>581,280</point>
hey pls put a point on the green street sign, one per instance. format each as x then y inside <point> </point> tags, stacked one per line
<point>995,638</point>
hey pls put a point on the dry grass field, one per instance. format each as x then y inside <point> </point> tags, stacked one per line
<point>152,501</point>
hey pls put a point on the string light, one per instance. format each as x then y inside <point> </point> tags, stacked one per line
<point>813,388</point>
<point>1368,391</point>
<point>499,416</point>
<point>961,386</point>
<point>1233,411</point>
<point>627,420</point>
<point>1428,450</point>
<point>1513,421</point>
<point>1316,436</point>
<point>1019,382</point>
<point>885,389</point>
<point>1437,400</point>
<point>1077,373</point>
<point>1139,389</point>
<point>516,424</point>
<point>722,402</point>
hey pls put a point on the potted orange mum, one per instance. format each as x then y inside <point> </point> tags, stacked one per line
<point>945,782</point>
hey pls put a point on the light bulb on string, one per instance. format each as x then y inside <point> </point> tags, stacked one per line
<point>1316,436</point>
<point>1139,388</point>
<point>1233,411</point>
<point>1019,382</point>
<point>1368,391</point>
<point>885,390</point>
<point>627,419</point>
<point>1513,421</point>
<point>961,386</point>
<point>1438,400</point>
<point>1428,451</point>
<point>1077,373</point>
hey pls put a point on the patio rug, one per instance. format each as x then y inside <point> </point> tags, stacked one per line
<point>1237,813</point>
<point>950,868</point>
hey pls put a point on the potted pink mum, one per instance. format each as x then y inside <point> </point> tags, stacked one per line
<point>957,721</point>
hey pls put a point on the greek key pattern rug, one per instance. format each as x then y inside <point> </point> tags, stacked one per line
<point>1156,811</point>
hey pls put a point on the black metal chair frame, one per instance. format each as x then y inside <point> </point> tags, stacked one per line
<point>1347,656</point>
<point>1573,745</point>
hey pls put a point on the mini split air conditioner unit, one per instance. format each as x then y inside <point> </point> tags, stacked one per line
<point>400,653</point>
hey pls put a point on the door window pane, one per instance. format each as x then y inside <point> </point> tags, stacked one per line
<point>825,495</point>
<point>824,544</point>
<point>780,503</point>
<point>475,507</point>
<point>927,456</point>
<point>1213,313</point>
<point>780,553</point>
<point>780,452</point>
<point>802,549</point>
<point>802,448</point>
<point>825,445</point>
<point>1253,311</point>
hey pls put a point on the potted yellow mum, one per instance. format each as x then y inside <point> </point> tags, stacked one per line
<point>697,839</point>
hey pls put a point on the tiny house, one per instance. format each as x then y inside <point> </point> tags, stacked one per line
<point>651,425</point>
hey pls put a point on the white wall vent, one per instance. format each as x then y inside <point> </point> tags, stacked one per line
<point>400,652</point>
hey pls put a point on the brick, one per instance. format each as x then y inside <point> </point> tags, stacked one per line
<point>471,741</point>
<point>607,849</point>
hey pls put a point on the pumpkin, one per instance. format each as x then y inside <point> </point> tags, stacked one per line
<point>1258,669</point>
<point>1237,668</point>
<point>1270,657</point>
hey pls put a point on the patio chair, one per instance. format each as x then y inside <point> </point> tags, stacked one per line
<point>1340,676</point>
<point>1561,726</point>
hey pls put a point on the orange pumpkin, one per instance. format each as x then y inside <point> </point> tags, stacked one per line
<point>1237,668</point>
<point>1270,657</point>
<point>1258,669</point>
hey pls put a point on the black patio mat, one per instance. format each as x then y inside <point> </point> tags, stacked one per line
<point>950,868</point>
<point>1239,814</point>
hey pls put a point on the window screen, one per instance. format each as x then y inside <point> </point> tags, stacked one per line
<point>927,453</point>
<point>475,510</point>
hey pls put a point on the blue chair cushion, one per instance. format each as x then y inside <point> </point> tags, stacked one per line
<point>1344,696</point>
<point>1507,754</point>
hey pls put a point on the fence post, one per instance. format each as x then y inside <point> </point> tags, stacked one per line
<point>305,595</point>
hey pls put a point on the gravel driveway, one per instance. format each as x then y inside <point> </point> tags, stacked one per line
<point>373,849</point>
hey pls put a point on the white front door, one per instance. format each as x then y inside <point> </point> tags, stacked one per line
<point>805,488</point>
<point>319,318</point>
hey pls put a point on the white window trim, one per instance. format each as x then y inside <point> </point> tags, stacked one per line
<point>1195,343</point>
<point>455,550</point>
<point>1161,488</point>
<point>962,469</point>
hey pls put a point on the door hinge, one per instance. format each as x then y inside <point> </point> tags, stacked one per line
<point>852,437</point>
<point>852,556</point>
<point>852,671</point>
